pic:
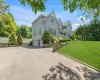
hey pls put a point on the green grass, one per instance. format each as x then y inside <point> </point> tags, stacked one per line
<point>85,51</point>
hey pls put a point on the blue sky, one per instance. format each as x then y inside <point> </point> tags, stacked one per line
<point>24,14</point>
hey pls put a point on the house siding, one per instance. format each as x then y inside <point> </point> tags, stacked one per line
<point>46,23</point>
<point>35,27</point>
<point>51,25</point>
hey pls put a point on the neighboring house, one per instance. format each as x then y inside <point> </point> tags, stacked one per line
<point>51,24</point>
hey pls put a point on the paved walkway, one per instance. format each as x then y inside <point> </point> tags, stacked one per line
<point>19,63</point>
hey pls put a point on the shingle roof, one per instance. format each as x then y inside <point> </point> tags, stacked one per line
<point>66,23</point>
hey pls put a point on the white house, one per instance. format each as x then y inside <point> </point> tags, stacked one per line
<point>51,24</point>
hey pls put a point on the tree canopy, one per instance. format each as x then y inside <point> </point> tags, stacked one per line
<point>3,6</point>
<point>89,31</point>
<point>24,30</point>
<point>87,6</point>
<point>36,5</point>
<point>7,24</point>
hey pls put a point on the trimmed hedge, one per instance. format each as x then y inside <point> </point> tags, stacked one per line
<point>64,39</point>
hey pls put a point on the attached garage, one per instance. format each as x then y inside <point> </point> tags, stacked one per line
<point>37,43</point>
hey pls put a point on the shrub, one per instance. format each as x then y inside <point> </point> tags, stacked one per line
<point>73,36</point>
<point>30,43</point>
<point>54,38</point>
<point>79,37</point>
<point>46,38</point>
<point>19,39</point>
<point>29,35</point>
<point>63,44</point>
<point>64,39</point>
<point>12,39</point>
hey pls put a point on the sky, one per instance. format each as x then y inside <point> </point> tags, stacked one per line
<point>25,15</point>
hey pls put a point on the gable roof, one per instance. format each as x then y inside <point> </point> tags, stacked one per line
<point>66,23</point>
<point>57,19</point>
<point>39,17</point>
<point>45,17</point>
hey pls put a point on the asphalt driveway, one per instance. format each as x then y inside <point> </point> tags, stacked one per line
<point>17,63</point>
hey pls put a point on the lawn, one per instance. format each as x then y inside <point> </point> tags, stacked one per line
<point>85,51</point>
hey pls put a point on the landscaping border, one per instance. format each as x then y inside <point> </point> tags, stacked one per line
<point>79,61</point>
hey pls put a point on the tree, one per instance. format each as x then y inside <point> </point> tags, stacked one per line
<point>89,31</point>
<point>3,6</point>
<point>24,30</point>
<point>46,38</point>
<point>7,24</point>
<point>79,37</point>
<point>19,39</point>
<point>29,35</point>
<point>73,36</point>
<point>88,6</point>
<point>36,5</point>
<point>12,39</point>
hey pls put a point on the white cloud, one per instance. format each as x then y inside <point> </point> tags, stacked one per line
<point>74,26</point>
<point>86,20</point>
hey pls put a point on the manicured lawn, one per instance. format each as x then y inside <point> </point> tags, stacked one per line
<point>85,51</point>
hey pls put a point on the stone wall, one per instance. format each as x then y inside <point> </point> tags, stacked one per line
<point>3,45</point>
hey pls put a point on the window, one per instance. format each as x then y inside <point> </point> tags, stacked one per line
<point>54,32</point>
<point>49,30</point>
<point>52,20</point>
<point>34,33</point>
<point>40,31</point>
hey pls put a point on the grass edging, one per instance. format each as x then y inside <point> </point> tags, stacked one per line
<point>79,61</point>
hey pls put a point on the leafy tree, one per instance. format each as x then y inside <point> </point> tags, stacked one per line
<point>7,24</point>
<point>73,36</point>
<point>22,30</point>
<point>36,5</point>
<point>88,6</point>
<point>89,31</point>
<point>3,6</point>
<point>19,39</point>
<point>79,37</point>
<point>29,35</point>
<point>46,37</point>
<point>12,39</point>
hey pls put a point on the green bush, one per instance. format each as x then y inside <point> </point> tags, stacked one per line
<point>63,44</point>
<point>30,43</point>
<point>79,37</point>
<point>29,35</point>
<point>19,39</point>
<point>64,39</point>
<point>54,38</point>
<point>46,38</point>
<point>12,39</point>
<point>73,36</point>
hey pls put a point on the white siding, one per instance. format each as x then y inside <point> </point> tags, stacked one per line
<point>52,25</point>
<point>35,27</point>
<point>44,26</point>
<point>69,30</point>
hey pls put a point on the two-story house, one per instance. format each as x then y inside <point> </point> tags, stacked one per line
<point>51,24</point>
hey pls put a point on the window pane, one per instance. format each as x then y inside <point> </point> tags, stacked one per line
<point>40,31</point>
<point>34,33</point>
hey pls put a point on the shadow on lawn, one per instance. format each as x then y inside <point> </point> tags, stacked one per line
<point>61,72</point>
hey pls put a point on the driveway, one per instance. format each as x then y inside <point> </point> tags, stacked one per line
<point>17,63</point>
